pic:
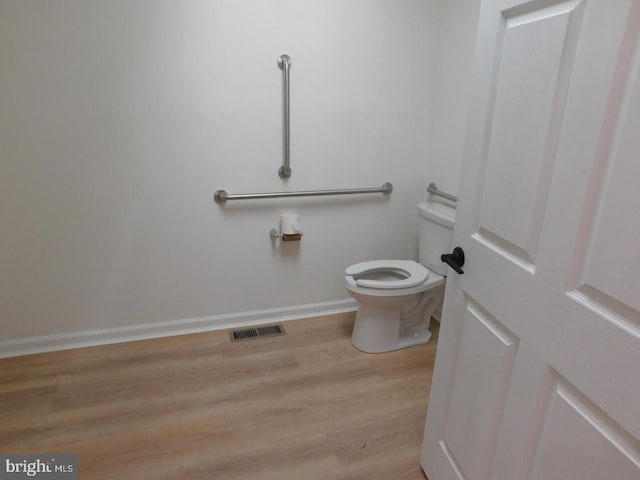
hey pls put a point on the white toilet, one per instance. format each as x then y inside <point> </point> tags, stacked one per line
<point>398,297</point>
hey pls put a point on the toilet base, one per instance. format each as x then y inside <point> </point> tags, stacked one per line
<point>419,338</point>
<point>385,324</point>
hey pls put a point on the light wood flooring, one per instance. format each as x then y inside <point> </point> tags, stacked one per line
<point>303,406</point>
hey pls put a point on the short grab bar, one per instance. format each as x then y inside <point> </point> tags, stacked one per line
<point>221,196</point>
<point>433,189</point>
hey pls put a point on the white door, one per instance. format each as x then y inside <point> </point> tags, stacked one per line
<point>537,374</point>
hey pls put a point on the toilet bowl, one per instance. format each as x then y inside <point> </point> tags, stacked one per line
<point>397,298</point>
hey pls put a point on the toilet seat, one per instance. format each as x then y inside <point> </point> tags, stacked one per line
<point>414,274</point>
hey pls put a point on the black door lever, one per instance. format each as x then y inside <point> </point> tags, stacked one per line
<point>455,260</point>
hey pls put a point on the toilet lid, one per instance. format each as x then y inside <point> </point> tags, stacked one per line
<point>411,274</point>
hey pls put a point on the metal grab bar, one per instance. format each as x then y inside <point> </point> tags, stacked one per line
<point>221,196</point>
<point>433,189</point>
<point>284,62</point>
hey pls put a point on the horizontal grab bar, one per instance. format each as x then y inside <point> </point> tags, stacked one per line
<point>222,196</point>
<point>433,189</point>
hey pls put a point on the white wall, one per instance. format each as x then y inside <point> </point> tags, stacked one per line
<point>453,83</point>
<point>120,119</point>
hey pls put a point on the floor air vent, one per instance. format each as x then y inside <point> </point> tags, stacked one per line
<point>249,333</point>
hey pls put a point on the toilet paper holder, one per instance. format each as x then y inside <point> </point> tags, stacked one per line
<point>286,237</point>
<point>289,228</point>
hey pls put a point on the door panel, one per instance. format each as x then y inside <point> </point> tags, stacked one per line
<point>485,346</point>
<point>597,105</point>
<point>537,372</point>
<point>523,134</point>
<point>607,270</point>
<point>579,441</point>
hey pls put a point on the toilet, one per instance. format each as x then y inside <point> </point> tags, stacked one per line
<point>397,298</point>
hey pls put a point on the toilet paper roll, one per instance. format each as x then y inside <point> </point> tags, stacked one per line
<point>289,224</point>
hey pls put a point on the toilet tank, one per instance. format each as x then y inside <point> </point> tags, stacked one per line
<point>436,230</point>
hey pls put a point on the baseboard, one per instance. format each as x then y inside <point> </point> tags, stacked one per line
<point>89,338</point>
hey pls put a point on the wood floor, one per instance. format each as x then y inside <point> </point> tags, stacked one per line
<point>306,405</point>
